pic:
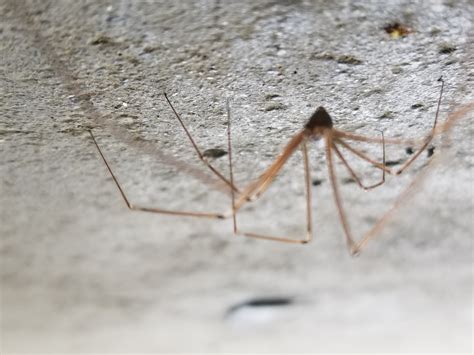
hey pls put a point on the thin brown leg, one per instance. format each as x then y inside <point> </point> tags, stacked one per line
<point>275,168</point>
<point>354,175</point>
<point>257,188</point>
<point>408,192</point>
<point>360,138</point>
<point>149,209</point>
<point>309,222</point>
<point>309,207</point>
<point>425,141</point>
<point>385,218</point>
<point>362,155</point>
<point>337,197</point>
<point>231,169</point>
<point>428,138</point>
<point>198,151</point>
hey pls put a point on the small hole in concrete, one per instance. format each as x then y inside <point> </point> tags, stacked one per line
<point>214,153</point>
<point>317,182</point>
<point>392,162</point>
<point>447,48</point>
<point>417,105</point>
<point>260,303</point>
<point>348,180</point>
<point>430,151</point>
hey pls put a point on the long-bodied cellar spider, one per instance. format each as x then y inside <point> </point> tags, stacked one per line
<point>318,127</point>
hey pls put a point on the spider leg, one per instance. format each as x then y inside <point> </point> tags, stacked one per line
<point>428,138</point>
<point>231,167</point>
<point>359,138</point>
<point>149,209</point>
<point>257,188</point>
<point>337,197</point>
<point>309,224</point>
<point>363,156</point>
<point>198,151</point>
<point>385,218</point>
<point>309,207</point>
<point>408,192</point>
<point>354,175</point>
<point>425,141</point>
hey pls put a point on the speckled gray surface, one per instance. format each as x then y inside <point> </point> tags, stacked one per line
<point>81,273</point>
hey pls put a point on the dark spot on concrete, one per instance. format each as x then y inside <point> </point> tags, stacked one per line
<point>262,302</point>
<point>348,180</point>
<point>271,96</point>
<point>393,162</point>
<point>409,150</point>
<point>386,115</point>
<point>417,105</point>
<point>397,30</point>
<point>317,182</point>
<point>214,153</point>
<point>446,48</point>
<point>101,39</point>
<point>430,151</point>
<point>348,59</point>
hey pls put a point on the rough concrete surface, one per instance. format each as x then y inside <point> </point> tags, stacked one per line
<point>81,273</point>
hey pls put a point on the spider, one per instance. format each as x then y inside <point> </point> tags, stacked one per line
<point>320,126</point>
